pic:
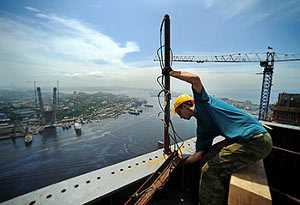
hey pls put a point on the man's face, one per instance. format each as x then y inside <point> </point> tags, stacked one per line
<point>184,112</point>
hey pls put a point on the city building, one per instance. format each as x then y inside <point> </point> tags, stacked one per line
<point>287,109</point>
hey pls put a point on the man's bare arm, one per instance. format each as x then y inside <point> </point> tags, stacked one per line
<point>188,77</point>
<point>194,157</point>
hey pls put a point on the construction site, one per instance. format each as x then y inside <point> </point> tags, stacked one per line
<point>160,178</point>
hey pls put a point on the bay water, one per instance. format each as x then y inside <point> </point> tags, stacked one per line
<point>58,154</point>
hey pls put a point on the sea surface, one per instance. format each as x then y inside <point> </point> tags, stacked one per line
<point>58,154</point>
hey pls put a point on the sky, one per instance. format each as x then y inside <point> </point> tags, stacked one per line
<point>113,43</point>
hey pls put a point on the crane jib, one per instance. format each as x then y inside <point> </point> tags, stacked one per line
<point>266,61</point>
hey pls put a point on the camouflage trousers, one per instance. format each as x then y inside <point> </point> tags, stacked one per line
<point>225,158</point>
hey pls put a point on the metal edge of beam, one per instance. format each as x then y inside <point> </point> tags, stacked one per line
<point>100,183</point>
<point>276,124</point>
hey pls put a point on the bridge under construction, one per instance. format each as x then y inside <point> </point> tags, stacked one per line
<point>117,184</point>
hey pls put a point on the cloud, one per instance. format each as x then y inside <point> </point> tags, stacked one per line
<point>63,38</point>
<point>230,8</point>
<point>235,7</point>
<point>209,3</point>
<point>32,9</point>
<point>283,10</point>
<point>258,18</point>
<point>45,45</point>
<point>254,11</point>
<point>87,44</point>
<point>93,74</point>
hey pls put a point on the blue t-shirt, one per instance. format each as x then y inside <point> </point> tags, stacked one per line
<point>215,117</point>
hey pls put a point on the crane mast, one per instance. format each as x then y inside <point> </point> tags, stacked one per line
<point>266,85</point>
<point>266,61</point>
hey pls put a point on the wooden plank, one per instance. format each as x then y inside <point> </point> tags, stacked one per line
<point>249,186</point>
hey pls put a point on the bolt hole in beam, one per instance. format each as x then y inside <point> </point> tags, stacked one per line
<point>112,172</point>
<point>31,203</point>
<point>76,186</point>
<point>98,178</point>
<point>144,161</point>
<point>156,156</point>
<point>63,191</point>
<point>136,164</point>
<point>150,159</point>
<point>49,196</point>
<point>129,167</point>
<point>121,170</point>
<point>88,181</point>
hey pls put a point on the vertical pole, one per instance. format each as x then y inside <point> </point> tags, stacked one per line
<point>167,85</point>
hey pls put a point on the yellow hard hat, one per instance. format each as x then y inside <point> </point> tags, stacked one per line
<point>181,99</point>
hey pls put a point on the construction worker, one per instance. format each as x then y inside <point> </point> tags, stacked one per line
<point>246,140</point>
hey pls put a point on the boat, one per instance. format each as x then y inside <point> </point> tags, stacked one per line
<point>28,138</point>
<point>148,105</point>
<point>133,112</point>
<point>77,127</point>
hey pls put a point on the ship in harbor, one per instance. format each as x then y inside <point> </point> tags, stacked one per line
<point>148,105</point>
<point>77,127</point>
<point>28,138</point>
<point>135,111</point>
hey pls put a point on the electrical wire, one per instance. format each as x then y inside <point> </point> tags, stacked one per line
<point>175,135</point>
<point>167,92</point>
<point>159,52</point>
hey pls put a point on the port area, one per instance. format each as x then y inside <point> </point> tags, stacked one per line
<point>78,107</point>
